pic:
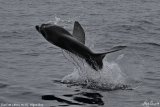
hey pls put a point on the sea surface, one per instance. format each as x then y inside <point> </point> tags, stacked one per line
<point>33,71</point>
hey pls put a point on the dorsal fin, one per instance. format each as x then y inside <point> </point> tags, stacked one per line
<point>78,32</point>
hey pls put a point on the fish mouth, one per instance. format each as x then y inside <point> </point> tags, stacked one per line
<point>37,28</point>
<point>41,29</point>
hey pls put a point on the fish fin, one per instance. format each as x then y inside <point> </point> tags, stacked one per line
<point>100,56</point>
<point>78,32</point>
<point>99,61</point>
<point>116,48</point>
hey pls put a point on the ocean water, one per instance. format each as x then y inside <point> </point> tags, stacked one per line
<point>35,73</point>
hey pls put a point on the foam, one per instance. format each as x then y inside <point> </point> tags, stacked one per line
<point>110,77</point>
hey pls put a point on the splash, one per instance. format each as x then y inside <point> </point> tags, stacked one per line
<point>55,21</point>
<point>109,78</point>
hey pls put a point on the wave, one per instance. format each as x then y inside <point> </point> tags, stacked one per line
<point>109,78</point>
<point>3,85</point>
<point>80,98</point>
<point>151,43</point>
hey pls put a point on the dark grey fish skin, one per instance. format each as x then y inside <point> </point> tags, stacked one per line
<point>62,38</point>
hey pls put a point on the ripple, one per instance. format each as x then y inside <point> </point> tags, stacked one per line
<point>81,98</point>
<point>132,27</point>
<point>89,98</point>
<point>152,79</point>
<point>31,54</point>
<point>145,22</point>
<point>92,95</point>
<point>151,43</point>
<point>3,85</point>
<point>52,97</point>
<point>89,101</point>
<point>127,28</point>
